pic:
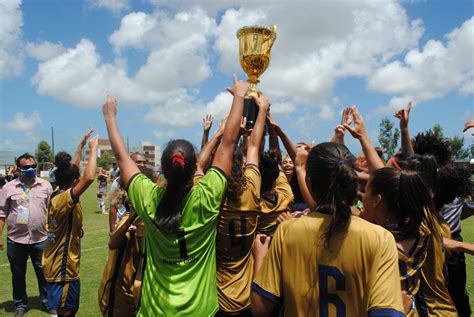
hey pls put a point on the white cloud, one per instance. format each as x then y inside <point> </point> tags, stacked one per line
<point>21,123</point>
<point>115,6</point>
<point>164,136</point>
<point>11,54</point>
<point>433,71</point>
<point>185,111</point>
<point>44,51</point>
<point>314,49</point>
<point>177,61</point>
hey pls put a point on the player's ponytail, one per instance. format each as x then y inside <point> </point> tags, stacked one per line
<point>178,163</point>
<point>330,169</point>
<point>66,172</point>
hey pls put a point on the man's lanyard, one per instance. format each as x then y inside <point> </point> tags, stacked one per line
<point>26,191</point>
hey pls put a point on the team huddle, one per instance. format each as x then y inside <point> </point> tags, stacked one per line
<point>239,229</point>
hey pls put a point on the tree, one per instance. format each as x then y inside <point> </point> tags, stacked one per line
<point>388,138</point>
<point>458,150</point>
<point>456,144</point>
<point>43,152</point>
<point>105,160</point>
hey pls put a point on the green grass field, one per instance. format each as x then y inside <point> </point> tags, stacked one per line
<point>94,254</point>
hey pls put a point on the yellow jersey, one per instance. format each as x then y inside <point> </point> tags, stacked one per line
<point>356,276</point>
<point>61,255</point>
<point>236,230</point>
<point>410,265</point>
<point>118,286</point>
<point>433,298</point>
<point>271,208</point>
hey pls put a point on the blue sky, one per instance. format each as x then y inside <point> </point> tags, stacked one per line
<point>169,62</point>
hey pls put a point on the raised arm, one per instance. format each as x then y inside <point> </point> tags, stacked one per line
<point>225,151</point>
<point>89,173</point>
<point>340,130</point>
<point>300,169</point>
<point>206,126</point>
<point>358,132</point>
<point>118,239</point>
<point>289,146</point>
<point>404,115</point>
<point>127,166</point>
<point>76,159</point>
<point>257,132</point>
<point>273,140</point>
<point>209,147</point>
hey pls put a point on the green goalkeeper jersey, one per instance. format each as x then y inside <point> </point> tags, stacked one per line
<point>180,269</point>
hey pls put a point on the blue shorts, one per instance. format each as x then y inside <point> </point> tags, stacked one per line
<point>64,295</point>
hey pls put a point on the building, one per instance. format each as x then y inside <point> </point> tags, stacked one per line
<point>151,152</point>
<point>7,158</point>
<point>103,147</point>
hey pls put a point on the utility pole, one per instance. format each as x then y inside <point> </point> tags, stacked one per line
<point>52,139</point>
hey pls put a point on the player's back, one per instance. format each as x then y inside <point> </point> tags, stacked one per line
<point>236,229</point>
<point>355,274</point>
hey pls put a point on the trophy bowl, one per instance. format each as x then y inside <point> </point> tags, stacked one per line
<point>255,45</point>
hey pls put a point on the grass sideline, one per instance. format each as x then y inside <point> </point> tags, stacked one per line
<point>94,254</point>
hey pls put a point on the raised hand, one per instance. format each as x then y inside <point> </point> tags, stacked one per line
<point>302,152</point>
<point>222,125</point>
<point>93,143</point>
<point>271,121</point>
<point>403,115</point>
<point>87,136</point>
<point>468,125</point>
<point>110,107</point>
<point>240,87</point>
<point>346,117</point>
<point>243,130</point>
<point>207,122</point>
<point>358,131</point>
<point>262,101</point>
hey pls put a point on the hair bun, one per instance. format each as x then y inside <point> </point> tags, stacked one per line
<point>62,160</point>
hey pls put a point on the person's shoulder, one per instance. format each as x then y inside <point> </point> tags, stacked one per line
<point>369,231</point>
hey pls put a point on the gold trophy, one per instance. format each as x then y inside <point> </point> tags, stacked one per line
<point>255,45</point>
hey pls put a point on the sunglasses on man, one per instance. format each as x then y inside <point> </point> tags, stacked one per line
<point>25,167</point>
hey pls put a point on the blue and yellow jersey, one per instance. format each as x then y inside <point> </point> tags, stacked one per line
<point>410,264</point>
<point>433,298</point>
<point>62,252</point>
<point>356,275</point>
<point>236,230</point>
<point>271,208</point>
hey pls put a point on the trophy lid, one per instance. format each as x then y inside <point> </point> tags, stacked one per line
<point>266,30</point>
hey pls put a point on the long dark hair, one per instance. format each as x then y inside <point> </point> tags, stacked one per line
<point>66,172</point>
<point>330,169</point>
<point>453,182</point>
<point>269,169</point>
<point>237,182</point>
<point>178,163</point>
<point>406,196</point>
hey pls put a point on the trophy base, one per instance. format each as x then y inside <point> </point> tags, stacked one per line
<point>250,112</point>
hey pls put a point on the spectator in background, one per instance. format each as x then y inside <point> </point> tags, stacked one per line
<point>115,172</point>
<point>102,192</point>
<point>52,175</point>
<point>23,204</point>
<point>12,173</point>
<point>3,181</point>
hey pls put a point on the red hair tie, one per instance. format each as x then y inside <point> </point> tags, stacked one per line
<point>394,162</point>
<point>178,158</point>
